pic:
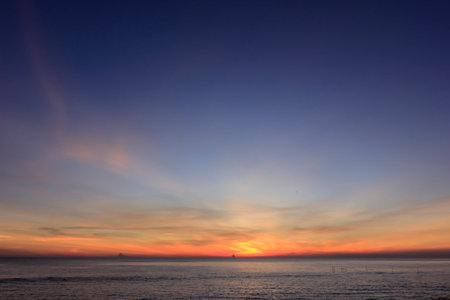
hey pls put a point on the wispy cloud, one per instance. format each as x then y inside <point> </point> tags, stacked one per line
<point>112,155</point>
<point>200,231</point>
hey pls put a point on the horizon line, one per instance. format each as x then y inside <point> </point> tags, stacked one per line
<point>431,254</point>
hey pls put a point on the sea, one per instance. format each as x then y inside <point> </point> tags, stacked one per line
<point>239,278</point>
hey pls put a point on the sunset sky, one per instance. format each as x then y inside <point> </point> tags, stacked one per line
<point>194,128</point>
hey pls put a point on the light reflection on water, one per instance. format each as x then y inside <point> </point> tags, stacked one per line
<point>224,279</point>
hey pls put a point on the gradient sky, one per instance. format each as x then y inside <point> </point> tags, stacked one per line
<point>221,127</point>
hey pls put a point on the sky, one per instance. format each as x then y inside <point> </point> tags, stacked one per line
<point>212,128</point>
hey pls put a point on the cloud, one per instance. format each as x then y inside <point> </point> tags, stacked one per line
<point>322,229</point>
<point>111,155</point>
<point>35,50</point>
<point>62,239</point>
<point>244,229</point>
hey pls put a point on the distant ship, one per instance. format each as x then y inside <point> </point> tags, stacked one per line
<point>121,255</point>
<point>233,256</point>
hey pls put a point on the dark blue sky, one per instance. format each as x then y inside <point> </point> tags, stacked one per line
<point>207,103</point>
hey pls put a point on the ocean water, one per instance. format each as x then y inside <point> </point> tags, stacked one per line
<point>224,279</point>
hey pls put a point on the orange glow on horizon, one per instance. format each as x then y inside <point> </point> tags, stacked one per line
<point>242,232</point>
<point>72,246</point>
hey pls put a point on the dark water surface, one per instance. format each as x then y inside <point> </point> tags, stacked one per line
<point>224,279</point>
